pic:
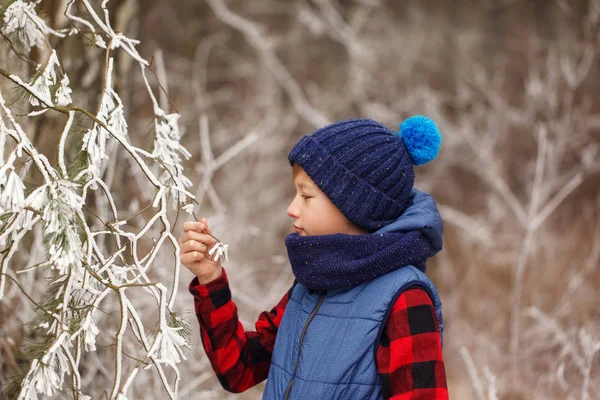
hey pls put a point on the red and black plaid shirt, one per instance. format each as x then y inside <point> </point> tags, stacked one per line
<point>409,356</point>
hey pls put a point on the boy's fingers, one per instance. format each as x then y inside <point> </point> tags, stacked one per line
<point>191,257</point>
<point>200,237</point>
<point>193,226</point>
<point>193,245</point>
<point>186,259</point>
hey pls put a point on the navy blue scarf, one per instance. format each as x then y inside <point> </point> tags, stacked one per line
<point>342,261</point>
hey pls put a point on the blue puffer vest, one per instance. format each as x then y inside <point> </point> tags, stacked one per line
<point>327,341</point>
<point>326,344</point>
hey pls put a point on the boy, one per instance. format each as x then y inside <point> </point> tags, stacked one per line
<point>362,320</point>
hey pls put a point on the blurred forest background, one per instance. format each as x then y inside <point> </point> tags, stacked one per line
<point>514,86</point>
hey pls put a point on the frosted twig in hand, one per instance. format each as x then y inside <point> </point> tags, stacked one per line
<point>221,249</point>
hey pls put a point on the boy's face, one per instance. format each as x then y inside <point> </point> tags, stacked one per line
<point>314,213</point>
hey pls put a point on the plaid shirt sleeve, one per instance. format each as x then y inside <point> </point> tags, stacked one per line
<point>240,359</point>
<point>409,357</point>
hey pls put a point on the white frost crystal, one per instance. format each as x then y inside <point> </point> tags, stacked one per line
<point>23,26</point>
<point>90,331</point>
<point>3,133</point>
<point>111,112</point>
<point>41,87</point>
<point>43,84</point>
<point>166,140</point>
<point>171,345</point>
<point>99,41</point>
<point>63,94</point>
<point>94,140</point>
<point>168,149</point>
<point>12,193</point>
<point>188,208</point>
<point>58,202</point>
<point>94,143</point>
<point>46,378</point>
<point>221,249</point>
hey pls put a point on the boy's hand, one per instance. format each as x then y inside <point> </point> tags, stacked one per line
<point>195,243</point>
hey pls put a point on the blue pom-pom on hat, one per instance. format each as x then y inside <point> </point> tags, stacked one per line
<point>422,138</point>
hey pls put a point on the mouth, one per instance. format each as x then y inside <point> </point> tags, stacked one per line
<point>298,230</point>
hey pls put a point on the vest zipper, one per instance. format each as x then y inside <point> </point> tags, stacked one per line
<point>311,316</point>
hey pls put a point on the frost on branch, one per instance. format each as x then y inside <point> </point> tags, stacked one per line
<point>96,277</point>
<point>63,93</point>
<point>173,341</point>
<point>167,136</point>
<point>12,195</point>
<point>23,26</point>
<point>90,331</point>
<point>168,149</point>
<point>111,113</point>
<point>58,204</point>
<point>46,87</point>
<point>44,81</point>
<point>220,250</point>
<point>48,378</point>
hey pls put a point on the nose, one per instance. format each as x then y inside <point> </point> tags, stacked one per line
<point>292,209</point>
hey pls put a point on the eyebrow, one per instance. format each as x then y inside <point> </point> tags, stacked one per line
<point>304,185</point>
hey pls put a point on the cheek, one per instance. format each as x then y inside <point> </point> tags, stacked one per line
<point>333,215</point>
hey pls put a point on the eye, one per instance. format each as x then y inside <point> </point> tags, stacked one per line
<point>305,197</point>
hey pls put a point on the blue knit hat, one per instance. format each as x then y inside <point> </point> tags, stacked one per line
<point>366,169</point>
